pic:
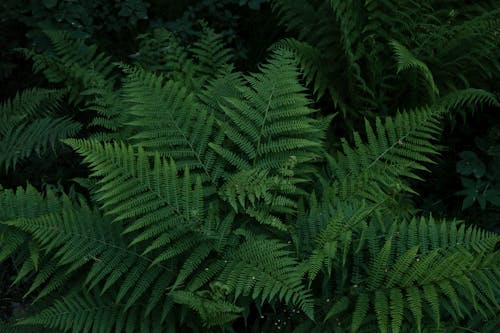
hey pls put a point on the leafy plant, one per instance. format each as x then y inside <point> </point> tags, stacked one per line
<point>346,49</point>
<point>28,125</point>
<point>480,180</point>
<point>213,206</point>
<point>89,16</point>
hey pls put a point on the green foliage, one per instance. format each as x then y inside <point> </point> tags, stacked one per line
<point>213,205</point>
<point>480,180</point>
<point>162,51</point>
<point>346,49</point>
<point>29,124</point>
<point>87,16</point>
<point>221,14</point>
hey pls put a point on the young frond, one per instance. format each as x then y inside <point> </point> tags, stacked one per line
<point>259,194</point>
<point>406,60</point>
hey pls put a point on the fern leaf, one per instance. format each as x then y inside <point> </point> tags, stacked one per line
<point>132,188</point>
<point>360,311</point>
<point>406,60</point>
<point>394,149</point>
<point>166,119</point>
<point>214,312</point>
<point>270,124</point>
<point>382,310</point>
<point>269,271</point>
<point>397,307</point>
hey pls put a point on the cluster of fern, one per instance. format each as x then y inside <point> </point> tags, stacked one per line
<point>346,49</point>
<point>214,206</point>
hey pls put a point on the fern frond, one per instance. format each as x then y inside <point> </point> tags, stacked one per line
<point>23,203</point>
<point>394,149</point>
<point>89,313</point>
<point>406,60</point>
<point>165,118</point>
<point>265,269</point>
<point>28,125</point>
<point>334,236</point>
<point>78,65</point>
<point>211,54</point>
<point>142,195</point>
<point>271,123</point>
<point>312,62</point>
<point>260,195</point>
<point>76,238</point>
<point>414,281</point>
<point>213,311</point>
<point>35,137</point>
<point>161,51</point>
<point>468,97</point>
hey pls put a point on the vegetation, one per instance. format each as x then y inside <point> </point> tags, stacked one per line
<point>190,181</point>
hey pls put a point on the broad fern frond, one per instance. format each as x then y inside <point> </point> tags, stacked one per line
<point>153,200</point>
<point>410,273</point>
<point>272,122</point>
<point>269,271</point>
<point>165,118</point>
<point>76,238</point>
<point>86,312</point>
<point>394,149</point>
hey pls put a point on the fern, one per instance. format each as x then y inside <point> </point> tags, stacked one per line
<point>270,273</point>
<point>88,74</point>
<point>161,51</point>
<point>71,61</point>
<point>213,312</point>
<point>395,149</point>
<point>88,313</point>
<point>132,189</point>
<point>400,286</point>
<point>168,119</point>
<point>29,125</point>
<point>213,202</point>
<point>406,60</point>
<point>349,55</point>
<point>271,123</point>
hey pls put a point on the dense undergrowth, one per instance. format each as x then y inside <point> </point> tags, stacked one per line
<point>249,166</point>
